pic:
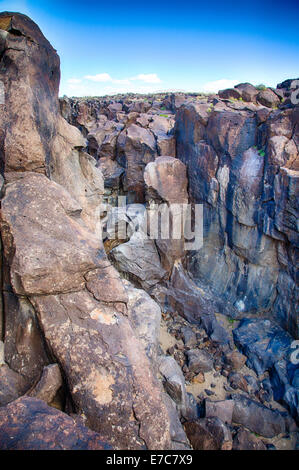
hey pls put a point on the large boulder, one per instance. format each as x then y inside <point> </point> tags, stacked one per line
<point>268,98</point>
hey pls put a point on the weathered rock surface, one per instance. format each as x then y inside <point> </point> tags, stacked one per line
<point>166,177</point>
<point>30,424</point>
<point>256,417</point>
<point>209,434</point>
<point>263,342</point>
<point>145,315</point>
<point>223,409</point>
<point>245,440</point>
<point>199,360</point>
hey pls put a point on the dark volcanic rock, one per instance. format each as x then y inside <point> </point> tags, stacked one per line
<point>245,440</point>
<point>248,91</point>
<point>30,424</point>
<point>241,166</point>
<point>209,434</point>
<point>256,417</point>
<point>263,342</point>
<point>268,98</point>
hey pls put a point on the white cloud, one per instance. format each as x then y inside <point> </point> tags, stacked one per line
<point>215,86</point>
<point>147,78</point>
<point>73,81</point>
<point>100,77</point>
<point>105,77</point>
<point>102,84</point>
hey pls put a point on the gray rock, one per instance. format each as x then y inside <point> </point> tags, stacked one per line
<point>189,337</point>
<point>223,409</point>
<point>199,360</point>
<point>174,381</point>
<point>256,417</point>
<point>145,316</point>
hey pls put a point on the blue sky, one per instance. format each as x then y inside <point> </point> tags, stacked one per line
<point>119,46</point>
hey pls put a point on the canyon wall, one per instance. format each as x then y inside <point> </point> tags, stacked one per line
<point>242,162</point>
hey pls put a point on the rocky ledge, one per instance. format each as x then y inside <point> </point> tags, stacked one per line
<point>138,343</point>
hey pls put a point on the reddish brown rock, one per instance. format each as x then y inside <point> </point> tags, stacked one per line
<point>208,434</point>
<point>24,348</point>
<point>30,424</point>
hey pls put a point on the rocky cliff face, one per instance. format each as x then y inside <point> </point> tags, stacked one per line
<point>82,310</point>
<point>243,165</point>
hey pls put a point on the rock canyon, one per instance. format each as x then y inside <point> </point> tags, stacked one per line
<point>136,342</point>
